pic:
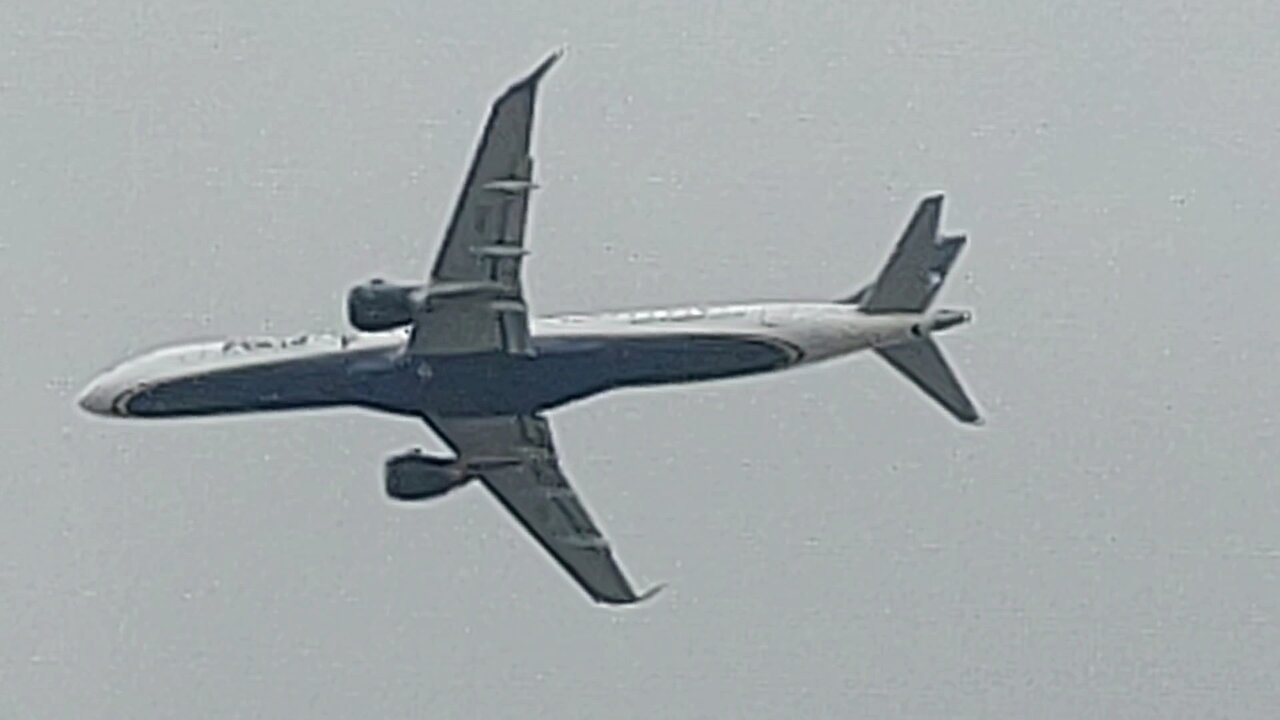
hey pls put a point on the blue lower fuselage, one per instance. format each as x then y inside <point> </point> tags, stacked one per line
<point>559,371</point>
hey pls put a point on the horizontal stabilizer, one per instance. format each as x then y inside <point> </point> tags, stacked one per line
<point>922,362</point>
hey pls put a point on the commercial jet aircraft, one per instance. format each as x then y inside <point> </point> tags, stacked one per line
<point>462,352</point>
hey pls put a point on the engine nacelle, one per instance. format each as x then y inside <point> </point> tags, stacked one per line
<point>416,476</point>
<point>378,305</point>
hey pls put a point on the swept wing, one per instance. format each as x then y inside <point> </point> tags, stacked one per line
<point>475,301</point>
<point>516,459</point>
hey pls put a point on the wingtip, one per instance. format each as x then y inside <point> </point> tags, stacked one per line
<point>544,66</point>
<point>648,594</point>
<point>633,599</point>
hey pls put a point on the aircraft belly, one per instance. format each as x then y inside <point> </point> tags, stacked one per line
<point>689,358</point>
<point>275,386</point>
<point>560,371</point>
<point>564,369</point>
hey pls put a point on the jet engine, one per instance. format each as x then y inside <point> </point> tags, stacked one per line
<point>416,476</point>
<point>378,305</point>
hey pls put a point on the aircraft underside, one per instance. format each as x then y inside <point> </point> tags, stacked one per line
<point>561,370</point>
<point>462,350</point>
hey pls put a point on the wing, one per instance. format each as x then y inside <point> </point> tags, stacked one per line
<point>515,458</point>
<point>474,300</point>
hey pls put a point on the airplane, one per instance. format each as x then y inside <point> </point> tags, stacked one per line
<point>462,352</point>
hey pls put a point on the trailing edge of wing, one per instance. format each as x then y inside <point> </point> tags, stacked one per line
<point>587,558</point>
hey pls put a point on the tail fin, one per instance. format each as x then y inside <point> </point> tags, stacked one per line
<point>908,283</point>
<point>917,267</point>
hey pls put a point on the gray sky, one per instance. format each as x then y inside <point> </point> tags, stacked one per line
<point>1108,546</point>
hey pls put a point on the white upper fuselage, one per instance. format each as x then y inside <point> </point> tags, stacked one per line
<point>811,331</point>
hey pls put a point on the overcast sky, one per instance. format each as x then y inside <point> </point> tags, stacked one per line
<point>1107,546</point>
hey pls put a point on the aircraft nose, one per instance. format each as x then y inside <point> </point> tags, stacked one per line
<point>99,397</point>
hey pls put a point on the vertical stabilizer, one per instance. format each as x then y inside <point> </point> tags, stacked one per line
<point>916,268</point>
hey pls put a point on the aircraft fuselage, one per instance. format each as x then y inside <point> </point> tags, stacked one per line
<point>460,349</point>
<point>574,356</point>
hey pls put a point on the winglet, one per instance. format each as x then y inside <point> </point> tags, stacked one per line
<point>642,597</point>
<point>542,68</point>
<point>651,592</point>
<point>633,599</point>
